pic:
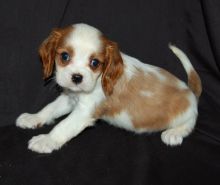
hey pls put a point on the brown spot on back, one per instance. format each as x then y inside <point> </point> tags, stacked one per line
<point>154,112</point>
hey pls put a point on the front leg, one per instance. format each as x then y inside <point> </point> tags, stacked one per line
<point>70,127</point>
<point>61,106</point>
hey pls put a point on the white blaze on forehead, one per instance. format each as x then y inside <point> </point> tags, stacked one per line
<point>85,39</point>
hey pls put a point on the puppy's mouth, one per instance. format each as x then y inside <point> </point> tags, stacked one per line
<point>75,83</point>
<point>76,88</point>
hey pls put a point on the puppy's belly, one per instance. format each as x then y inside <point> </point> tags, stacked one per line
<point>124,120</point>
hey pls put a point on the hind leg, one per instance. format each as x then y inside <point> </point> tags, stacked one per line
<point>174,135</point>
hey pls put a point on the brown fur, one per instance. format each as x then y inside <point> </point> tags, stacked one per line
<point>101,57</point>
<point>112,67</point>
<point>194,83</point>
<point>153,113</point>
<point>59,50</point>
<point>49,46</point>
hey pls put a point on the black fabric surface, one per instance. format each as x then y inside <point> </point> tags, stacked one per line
<point>104,154</point>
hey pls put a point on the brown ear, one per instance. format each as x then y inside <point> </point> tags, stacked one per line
<point>113,67</point>
<point>47,52</point>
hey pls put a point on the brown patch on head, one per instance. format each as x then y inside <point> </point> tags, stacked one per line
<point>152,112</point>
<point>49,46</point>
<point>112,66</point>
<point>100,58</point>
<point>64,49</point>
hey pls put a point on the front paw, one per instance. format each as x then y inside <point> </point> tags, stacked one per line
<point>43,144</point>
<point>27,120</point>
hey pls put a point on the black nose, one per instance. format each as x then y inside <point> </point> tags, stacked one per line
<point>77,78</point>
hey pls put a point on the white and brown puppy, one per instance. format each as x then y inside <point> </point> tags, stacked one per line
<point>100,82</point>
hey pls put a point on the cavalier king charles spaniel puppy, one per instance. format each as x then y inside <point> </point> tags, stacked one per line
<point>101,82</point>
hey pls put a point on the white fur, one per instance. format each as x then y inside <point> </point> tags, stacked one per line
<point>78,100</point>
<point>133,66</point>
<point>146,94</point>
<point>86,41</point>
<point>62,105</point>
<point>76,122</point>
<point>43,144</point>
<point>182,125</point>
<point>81,100</point>
<point>182,85</point>
<point>122,120</point>
<point>27,120</point>
<point>183,58</point>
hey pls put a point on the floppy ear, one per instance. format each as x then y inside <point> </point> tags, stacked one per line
<point>47,52</point>
<point>113,67</point>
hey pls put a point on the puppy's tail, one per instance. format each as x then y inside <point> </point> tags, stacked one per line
<point>194,81</point>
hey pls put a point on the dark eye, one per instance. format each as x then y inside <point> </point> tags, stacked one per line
<point>94,63</point>
<point>65,56</point>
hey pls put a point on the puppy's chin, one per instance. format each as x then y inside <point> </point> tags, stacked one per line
<point>79,89</point>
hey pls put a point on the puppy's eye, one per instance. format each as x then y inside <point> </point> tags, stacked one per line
<point>94,63</point>
<point>65,56</point>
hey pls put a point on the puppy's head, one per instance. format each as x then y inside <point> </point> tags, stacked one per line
<point>80,55</point>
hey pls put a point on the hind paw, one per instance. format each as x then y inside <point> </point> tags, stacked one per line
<point>172,137</point>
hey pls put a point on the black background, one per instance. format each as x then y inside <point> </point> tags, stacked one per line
<point>104,154</point>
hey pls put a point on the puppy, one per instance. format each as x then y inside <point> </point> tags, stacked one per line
<point>100,82</point>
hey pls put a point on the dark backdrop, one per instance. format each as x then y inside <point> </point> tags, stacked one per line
<point>107,155</point>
